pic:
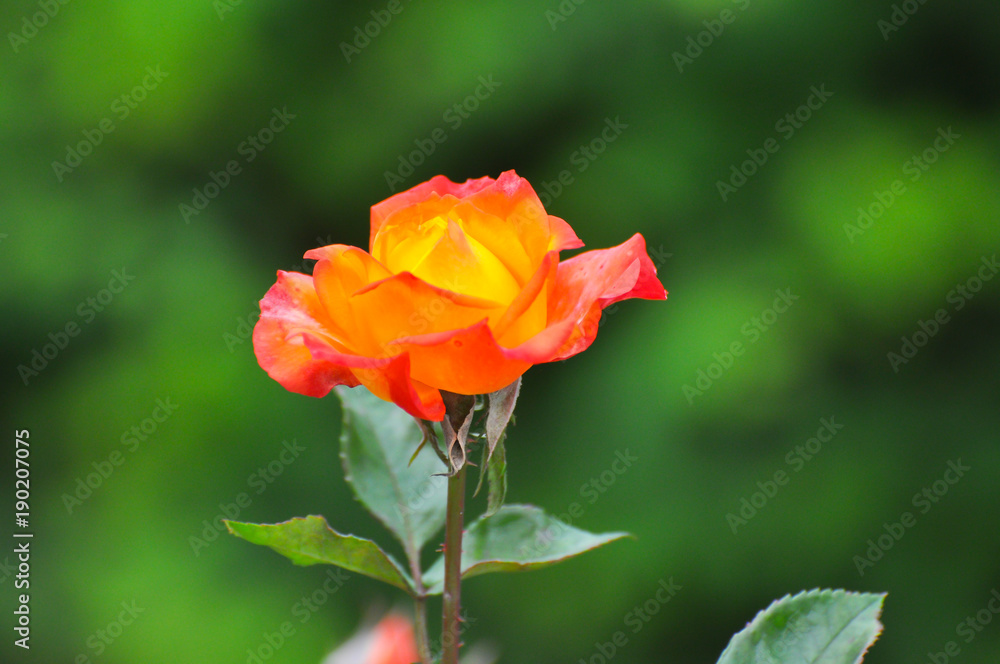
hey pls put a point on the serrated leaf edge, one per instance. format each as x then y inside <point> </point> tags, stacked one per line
<point>407,585</point>
<point>763,614</point>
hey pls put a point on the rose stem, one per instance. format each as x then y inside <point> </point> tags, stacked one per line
<point>423,642</point>
<point>451,628</point>
<point>419,604</point>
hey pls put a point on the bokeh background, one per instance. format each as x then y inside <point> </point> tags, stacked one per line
<point>558,71</point>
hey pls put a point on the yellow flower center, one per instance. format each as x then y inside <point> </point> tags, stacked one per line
<point>440,252</point>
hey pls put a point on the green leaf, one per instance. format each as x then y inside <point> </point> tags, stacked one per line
<point>517,538</point>
<point>377,442</point>
<point>310,541</point>
<point>819,626</point>
<point>496,472</point>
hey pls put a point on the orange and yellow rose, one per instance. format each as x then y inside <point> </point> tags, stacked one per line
<point>461,290</point>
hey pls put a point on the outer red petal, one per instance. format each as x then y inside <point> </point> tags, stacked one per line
<point>593,280</point>
<point>387,378</point>
<point>515,317</point>
<point>289,309</point>
<point>584,285</point>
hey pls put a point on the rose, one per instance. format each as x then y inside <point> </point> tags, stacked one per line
<point>463,291</point>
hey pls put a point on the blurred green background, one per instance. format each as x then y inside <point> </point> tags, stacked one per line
<point>147,144</point>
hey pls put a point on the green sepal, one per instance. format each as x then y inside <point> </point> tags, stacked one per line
<point>496,473</point>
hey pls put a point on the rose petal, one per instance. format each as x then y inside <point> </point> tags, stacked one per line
<point>342,271</point>
<point>408,238</point>
<point>437,187</point>
<point>563,235</point>
<point>462,264</point>
<point>388,378</point>
<point>407,235</point>
<point>494,233</point>
<point>364,265</point>
<point>405,305</point>
<point>513,200</point>
<point>593,280</point>
<point>467,361</point>
<point>527,314</point>
<point>289,309</point>
<point>489,211</point>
